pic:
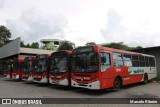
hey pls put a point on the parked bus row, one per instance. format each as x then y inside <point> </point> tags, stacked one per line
<point>91,67</point>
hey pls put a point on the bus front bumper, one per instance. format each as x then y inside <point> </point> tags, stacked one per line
<point>30,78</point>
<point>8,76</point>
<point>93,85</point>
<point>15,76</point>
<point>64,82</point>
<point>40,80</point>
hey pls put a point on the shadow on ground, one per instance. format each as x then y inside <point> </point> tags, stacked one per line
<point>13,80</point>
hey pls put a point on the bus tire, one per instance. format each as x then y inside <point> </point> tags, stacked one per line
<point>117,84</point>
<point>145,80</point>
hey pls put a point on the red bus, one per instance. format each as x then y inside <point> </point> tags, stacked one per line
<point>60,68</point>
<point>96,67</point>
<point>27,73</point>
<point>8,68</point>
<point>41,68</point>
<point>17,68</point>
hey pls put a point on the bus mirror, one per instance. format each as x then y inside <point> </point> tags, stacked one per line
<point>103,59</point>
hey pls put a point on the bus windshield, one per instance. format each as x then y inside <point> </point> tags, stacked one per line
<point>59,63</point>
<point>85,62</point>
<point>15,66</point>
<point>27,66</point>
<point>40,65</point>
<point>6,67</point>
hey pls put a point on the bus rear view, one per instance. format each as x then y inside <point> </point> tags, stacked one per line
<point>27,73</point>
<point>41,68</point>
<point>60,68</point>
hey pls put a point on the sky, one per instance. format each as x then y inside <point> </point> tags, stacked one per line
<point>133,22</point>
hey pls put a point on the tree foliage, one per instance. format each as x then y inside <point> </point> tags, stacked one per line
<point>33,45</point>
<point>65,45</point>
<point>118,45</point>
<point>22,44</point>
<point>4,35</point>
<point>90,43</point>
<point>139,47</point>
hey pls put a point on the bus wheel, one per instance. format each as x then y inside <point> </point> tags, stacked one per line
<point>116,84</point>
<point>145,81</point>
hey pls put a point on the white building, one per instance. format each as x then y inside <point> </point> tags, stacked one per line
<point>53,44</point>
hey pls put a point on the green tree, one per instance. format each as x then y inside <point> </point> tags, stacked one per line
<point>118,45</point>
<point>139,47</point>
<point>4,35</point>
<point>35,45</point>
<point>28,46</point>
<point>90,43</point>
<point>22,44</point>
<point>65,45</point>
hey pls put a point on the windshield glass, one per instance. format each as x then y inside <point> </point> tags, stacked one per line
<point>27,66</point>
<point>40,65</point>
<point>85,62</point>
<point>15,66</point>
<point>6,66</point>
<point>59,63</point>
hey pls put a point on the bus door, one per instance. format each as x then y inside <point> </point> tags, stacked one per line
<point>105,68</point>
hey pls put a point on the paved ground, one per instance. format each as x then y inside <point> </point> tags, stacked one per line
<point>22,89</point>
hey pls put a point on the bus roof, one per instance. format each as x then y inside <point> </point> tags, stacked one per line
<point>120,51</point>
<point>98,48</point>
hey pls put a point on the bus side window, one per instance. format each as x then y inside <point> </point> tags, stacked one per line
<point>151,62</point>
<point>127,60</point>
<point>135,61</point>
<point>117,59</point>
<point>142,61</point>
<point>105,61</point>
<point>147,61</point>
